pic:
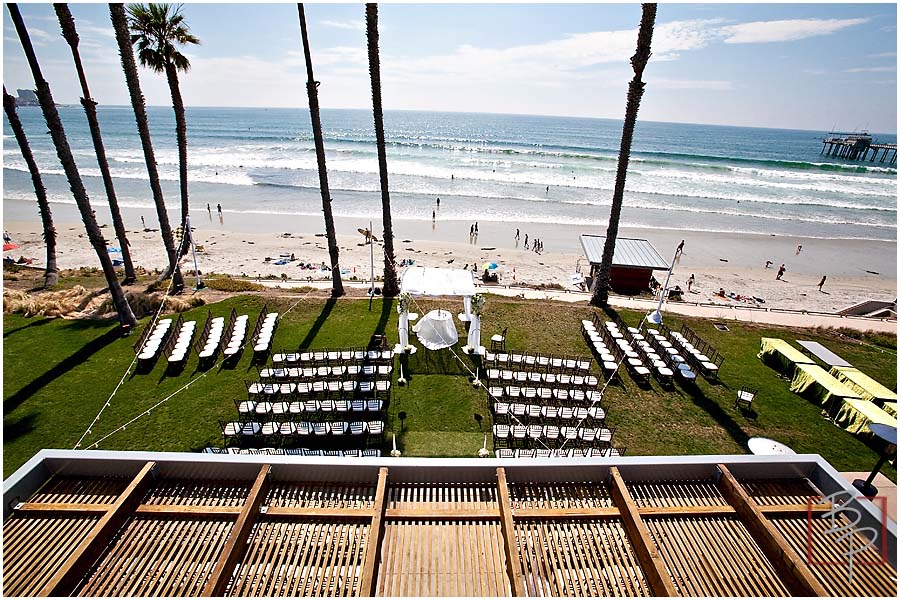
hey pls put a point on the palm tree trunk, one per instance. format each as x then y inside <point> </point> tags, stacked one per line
<point>126,317</point>
<point>391,288</point>
<point>181,134</point>
<point>67,24</point>
<point>51,273</point>
<point>337,286</point>
<point>600,296</point>
<point>123,38</point>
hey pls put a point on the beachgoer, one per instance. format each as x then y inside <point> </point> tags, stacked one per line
<point>451,175</point>
<point>768,263</point>
<point>6,237</point>
<point>143,224</point>
<point>526,241</point>
<point>476,227</point>
<point>432,215</point>
<point>690,282</point>
<point>821,283</point>
<point>208,209</point>
<point>471,230</point>
<point>722,292</point>
<point>219,208</point>
<point>517,234</point>
<point>781,271</point>
<point>680,248</point>
<point>293,257</point>
<point>438,202</point>
<point>799,248</point>
<point>548,189</point>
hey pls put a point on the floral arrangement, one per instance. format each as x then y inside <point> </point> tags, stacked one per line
<point>403,304</point>
<point>478,304</point>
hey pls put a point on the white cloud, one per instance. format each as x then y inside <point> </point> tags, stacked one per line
<point>883,55</point>
<point>352,24</point>
<point>784,31</point>
<point>692,84</point>
<point>872,69</point>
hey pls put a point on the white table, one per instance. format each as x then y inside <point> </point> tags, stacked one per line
<point>765,446</point>
<point>436,330</point>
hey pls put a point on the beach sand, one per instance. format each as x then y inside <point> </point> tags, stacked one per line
<point>239,243</point>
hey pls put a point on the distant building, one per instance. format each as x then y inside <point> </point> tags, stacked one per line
<point>26,98</point>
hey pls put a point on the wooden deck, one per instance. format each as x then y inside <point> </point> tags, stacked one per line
<point>156,536</point>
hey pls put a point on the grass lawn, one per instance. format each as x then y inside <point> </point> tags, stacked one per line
<point>59,373</point>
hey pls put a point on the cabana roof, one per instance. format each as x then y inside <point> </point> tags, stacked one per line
<point>629,252</point>
<point>137,523</point>
<point>433,281</point>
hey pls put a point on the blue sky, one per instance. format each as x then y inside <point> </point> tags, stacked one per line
<point>803,66</point>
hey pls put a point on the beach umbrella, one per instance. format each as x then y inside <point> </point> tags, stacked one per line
<point>10,246</point>
<point>489,266</point>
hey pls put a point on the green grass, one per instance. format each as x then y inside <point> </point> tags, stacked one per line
<point>59,373</point>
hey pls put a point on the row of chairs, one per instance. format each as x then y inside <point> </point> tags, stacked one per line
<point>367,453</point>
<point>537,377</point>
<point>335,389</point>
<point>556,453</point>
<point>210,339</point>
<point>151,341</point>
<point>617,344</point>
<point>309,373</point>
<point>517,413</point>
<point>264,331</point>
<point>334,356</point>
<point>544,395</point>
<point>289,432</point>
<point>670,355</point>
<point>249,409</point>
<point>703,357</point>
<point>546,363</point>
<point>179,345</point>
<point>235,334</point>
<point>525,436</point>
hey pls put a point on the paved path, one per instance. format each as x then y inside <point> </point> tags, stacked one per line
<point>721,313</point>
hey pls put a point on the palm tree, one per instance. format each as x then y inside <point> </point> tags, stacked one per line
<point>337,286</point>
<point>600,296</point>
<point>51,273</point>
<point>120,24</point>
<point>391,288</point>
<point>156,30</point>
<point>54,124</point>
<point>67,24</point>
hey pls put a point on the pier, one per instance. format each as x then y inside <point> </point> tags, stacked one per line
<point>857,146</point>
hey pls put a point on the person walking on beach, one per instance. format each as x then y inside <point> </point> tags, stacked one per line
<point>526,241</point>
<point>821,283</point>
<point>432,215</point>
<point>476,227</point>
<point>219,208</point>
<point>781,271</point>
<point>799,248</point>
<point>208,209</point>
<point>472,230</point>
<point>680,248</point>
<point>438,202</point>
<point>143,224</point>
<point>768,263</point>
<point>548,189</point>
<point>517,236</point>
<point>690,282</point>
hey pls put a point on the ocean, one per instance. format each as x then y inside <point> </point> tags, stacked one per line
<point>483,167</point>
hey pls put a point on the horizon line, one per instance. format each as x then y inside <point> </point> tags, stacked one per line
<point>467,112</point>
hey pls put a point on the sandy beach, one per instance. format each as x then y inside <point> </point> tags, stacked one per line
<point>239,243</point>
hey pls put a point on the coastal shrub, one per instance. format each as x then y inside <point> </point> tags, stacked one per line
<point>227,284</point>
<point>877,338</point>
<point>77,302</point>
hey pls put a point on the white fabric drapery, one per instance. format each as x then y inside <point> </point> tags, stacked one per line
<point>403,329</point>
<point>433,281</point>
<point>474,340</point>
<point>436,330</point>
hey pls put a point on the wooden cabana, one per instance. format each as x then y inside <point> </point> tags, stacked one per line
<point>118,524</point>
<point>634,261</point>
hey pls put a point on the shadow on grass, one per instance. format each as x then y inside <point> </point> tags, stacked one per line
<point>721,417</point>
<point>386,305</point>
<point>435,362</point>
<point>76,358</point>
<point>320,320</point>
<point>17,428</point>
<point>33,323</point>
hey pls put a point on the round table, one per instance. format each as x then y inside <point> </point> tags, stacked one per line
<point>765,446</point>
<point>888,434</point>
<point>436,330</point>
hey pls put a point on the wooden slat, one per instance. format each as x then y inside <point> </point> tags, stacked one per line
<point>63,507</point>
<point>790,566</point>
<point>64,581</point>
<point>373,541</point>
<point>644,548</point>
<point>237,539</point>
<point>513,566</point>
